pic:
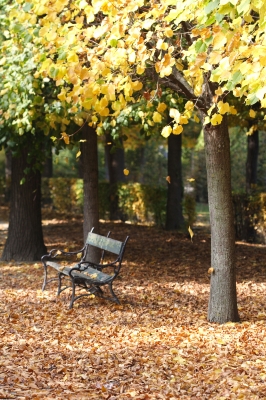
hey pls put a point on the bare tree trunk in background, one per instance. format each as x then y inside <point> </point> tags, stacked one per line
<point>89,156</point>
<point>25,236</point>
<point>252,159</point>
<point>174,215</point>
<point>115,161</point>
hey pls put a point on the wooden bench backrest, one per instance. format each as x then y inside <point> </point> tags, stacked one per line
<point>104,243</point>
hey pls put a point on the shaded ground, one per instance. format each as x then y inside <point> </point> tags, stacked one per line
<point>156,345</point>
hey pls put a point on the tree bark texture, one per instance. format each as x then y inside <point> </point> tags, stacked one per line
<point>252,160</point>
<point>223,297</point>
<point>174,215</point>
<point>48,165</point>
<point>115,161</point>
<point>8,166</point>
<point>90,177</point>
<point>25,236</point>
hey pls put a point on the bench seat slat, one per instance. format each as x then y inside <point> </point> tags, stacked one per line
<point>60,268</point>
<point>90,274</point>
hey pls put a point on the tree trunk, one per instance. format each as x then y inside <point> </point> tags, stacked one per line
<point>115,161</point>
<point>90,178</point>
<point>8,166</point>
<point>25,237</point>
<point>223,298</point>
<point>174,216</point>
<point>48,165</point>
<point>252,160</point>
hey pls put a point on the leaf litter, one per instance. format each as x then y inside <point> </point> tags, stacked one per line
<point>157,344</point>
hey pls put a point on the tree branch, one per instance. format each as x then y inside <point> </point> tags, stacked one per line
<point>178,83</point>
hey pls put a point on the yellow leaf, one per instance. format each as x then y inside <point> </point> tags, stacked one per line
<point>79,255</point>
<point>223,107</point>
<point>219,91</point>
<point>161,107</point>
<point>65,137</point>
<point>191,180</point>
<point>214,58</point>
<point>62,96</point>
<point>126,171</point>
<point>211,270</point>
<point>219,41</point>
<point>216,119</point>
<point>137,85</point>
<point>78,154</point>
<point>189,105</point>
<point>183,120</point>
<point>175,114</point>
<point>177,129</point>
<point>72,57</point>
<point>167,130</point>
<point>168,179</point>
<point>190,232</point>
<point>233,110</point>
<point>157,117</point>
<point>104,112</point>
<point>252,113</point>
<point>168,32</point>
<point>140,69</point>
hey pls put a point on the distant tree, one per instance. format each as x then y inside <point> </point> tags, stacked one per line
<point>115,162</point>
<point>252,156</point>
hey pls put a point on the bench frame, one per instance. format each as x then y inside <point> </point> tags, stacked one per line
<point>87,274</point>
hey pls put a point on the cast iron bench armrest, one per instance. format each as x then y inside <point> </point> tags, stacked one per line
<point>57,252</point>
<point>99,267</point>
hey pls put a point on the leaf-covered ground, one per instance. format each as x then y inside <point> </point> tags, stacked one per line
<point>156,345</point>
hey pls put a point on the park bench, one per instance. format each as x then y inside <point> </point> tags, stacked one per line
<point>86,274</point>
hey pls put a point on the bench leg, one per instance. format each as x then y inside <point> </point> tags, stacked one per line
<point>59,283</point>
<point>45,278</point>
<point>73,294</point>
<point>115,298</point>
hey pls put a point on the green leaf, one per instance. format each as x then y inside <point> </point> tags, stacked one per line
<point>18,28</point>
<point>62,55</point>
<point>38,100</point>
<point>113,42</point>
<point>54,72</point>
<point>252,99</point>
<point>219,17</point>
<point>236,78</point>
<point>243,7</point>
<point>28,38</point>
<point>211,6</point>
<point>200,46</point>
<point>210,20</point>
<point>27,7</point>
